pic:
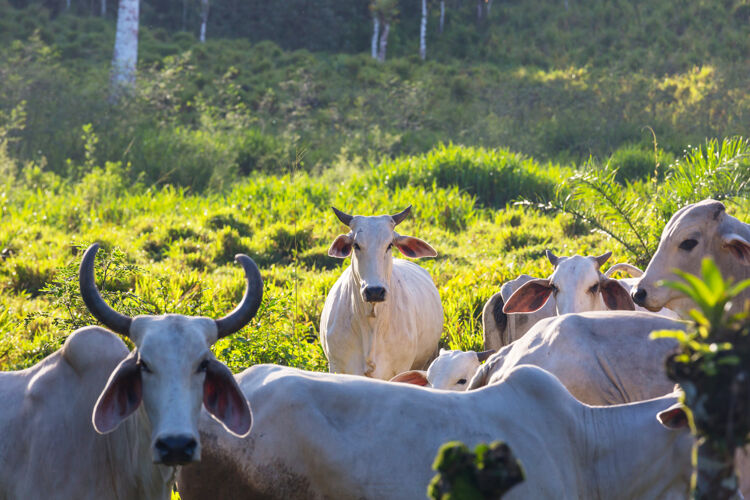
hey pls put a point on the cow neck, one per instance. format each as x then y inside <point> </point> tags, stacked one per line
<point>628,450</point>
<point>371,319</point>
<point>129,462</point>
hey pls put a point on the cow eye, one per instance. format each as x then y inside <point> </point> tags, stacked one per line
<point>594,288</point>
<point>356,247</point>
<point>143,366</point>
<point>203,366</point>
<point>461,381</point>
<point>688,244</point>
<point>553,288</point>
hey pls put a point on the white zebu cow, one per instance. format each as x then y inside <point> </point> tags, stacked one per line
<point>450,371</point>
<point>602,358</point>
<point>52,447</point>
<point>320,435</point>
<point>694,232</point>
<point>383,316</point>
<point>576,285</point>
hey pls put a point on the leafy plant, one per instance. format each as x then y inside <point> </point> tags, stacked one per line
<point>486,473</point>
<point>713,370</point>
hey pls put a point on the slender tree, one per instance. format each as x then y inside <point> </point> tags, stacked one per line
<point>384,12</point>
<point>125,54</point>
<point>204,20</point>
<point>423,32</point>
<point>103,10</point>
<point>442,15</point>
<point>375,33</point>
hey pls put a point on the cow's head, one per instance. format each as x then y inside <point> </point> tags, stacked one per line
<point>696,231</point>
<point>172,370</point>
<point>369,243</point>
<point>577,285</point>
<point>451,370</point>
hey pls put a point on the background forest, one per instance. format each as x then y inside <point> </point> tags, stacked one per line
<point>575,125</point>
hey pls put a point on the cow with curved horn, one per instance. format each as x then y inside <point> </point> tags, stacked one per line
<point>383,315</point>
<point>145,403</point>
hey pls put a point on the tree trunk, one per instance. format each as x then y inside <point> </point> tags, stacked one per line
<point>104,8</point>
<point>204,20</point>
<point>67,4</point>
<point>125,54</point>
<point>423,32</point>
<point>184,14</point>
<point>567,7</point>
<point>384,41</point>
<point>714,476</point>
<point>489,7</point>
<point>480,9</point>
<point>374,42</point>
<point>442,15</point>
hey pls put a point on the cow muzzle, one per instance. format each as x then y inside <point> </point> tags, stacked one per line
<point>176,450</point>
<point>374,294</point>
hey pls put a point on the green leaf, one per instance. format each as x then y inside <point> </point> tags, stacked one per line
<point>712,276</point>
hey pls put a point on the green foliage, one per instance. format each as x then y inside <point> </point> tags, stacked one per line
<point>719,169</point>
<point>486,473</point>
<point>712,370</point>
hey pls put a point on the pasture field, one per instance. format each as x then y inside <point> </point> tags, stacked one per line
<point>490,214</point>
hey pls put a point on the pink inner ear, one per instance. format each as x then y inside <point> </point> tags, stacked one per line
<point>414,247</point>
<point>673,418</point>
<point>224,400</point>
<point>615,296</point>
<point>341,246</point>
<point>739,248</point>
<point>415,377</point>
<point>120,398</point>
<point>530,297</point>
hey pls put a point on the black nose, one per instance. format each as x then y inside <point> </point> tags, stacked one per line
<point>639,296</point>
<point>374,294</point>
<point>176,450</point>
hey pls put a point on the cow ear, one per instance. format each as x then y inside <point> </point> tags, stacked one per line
<point>121,396</point>
<point>413,247</point>
<point>530,297</point>
<point>615,296</point>
<point>416,377</point>
<point>224,399</point>
<point>341,246</point>
<point>675,417</point>
<point>738,246</point>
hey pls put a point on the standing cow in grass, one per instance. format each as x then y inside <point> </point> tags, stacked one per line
<point>382,316</point>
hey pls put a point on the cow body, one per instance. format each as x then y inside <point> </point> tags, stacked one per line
<point>319,436</point>
<point>48,446</point>
<point>383,316</point>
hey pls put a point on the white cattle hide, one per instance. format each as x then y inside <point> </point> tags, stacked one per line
<point>320,435</point>
<point>383,316</point>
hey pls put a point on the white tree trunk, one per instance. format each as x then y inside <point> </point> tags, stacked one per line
<point>104,8</point>
<point>442,15</point>
<point>204,20</point>
<point>479,9</point>
<point>384,42</point>
<point>67,4</point>
<point>489,7</point>
<point>423,32</point>
<point>566,5</point>
<point>374,42</point>
<point>125,55</point>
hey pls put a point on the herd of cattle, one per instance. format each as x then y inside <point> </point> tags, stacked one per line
<point>571,382</point>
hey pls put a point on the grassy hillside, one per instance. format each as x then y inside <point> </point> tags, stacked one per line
<point>171,251</point>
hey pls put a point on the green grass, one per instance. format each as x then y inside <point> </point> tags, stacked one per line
<point>176,247</point>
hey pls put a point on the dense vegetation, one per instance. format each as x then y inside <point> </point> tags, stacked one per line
<point>241,145</point>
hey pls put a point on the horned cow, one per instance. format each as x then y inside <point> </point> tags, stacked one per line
<point>383,315</point>
<point>94,421</point>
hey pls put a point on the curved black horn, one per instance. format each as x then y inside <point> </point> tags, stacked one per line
<point>482,356</point>
<point>94,302</point>
<point>601,259</point>
<point>344,218</point>
<point>553,259</point>
<point>250,302</point>
<point>399,217</point>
